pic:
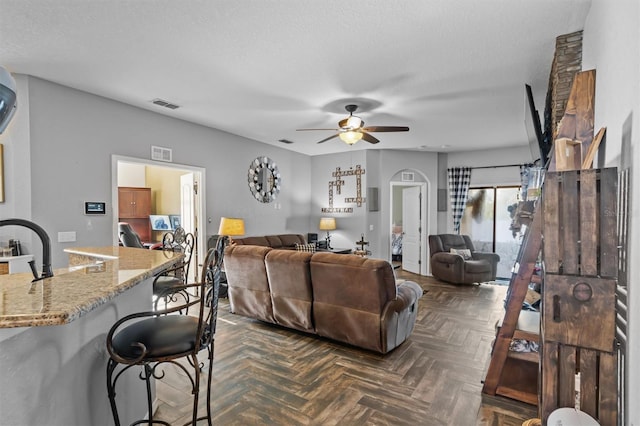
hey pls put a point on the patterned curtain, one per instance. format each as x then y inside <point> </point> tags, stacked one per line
<point>459,180</point>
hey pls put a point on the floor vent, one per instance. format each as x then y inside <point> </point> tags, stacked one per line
<point>159,153</point>
<point>163,103</point>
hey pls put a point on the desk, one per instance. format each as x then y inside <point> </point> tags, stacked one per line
<point>52,336</point>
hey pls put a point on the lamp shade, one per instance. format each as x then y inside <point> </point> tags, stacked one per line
<point>231,226</point>
<point>350,137</point>
<point>327,223</point>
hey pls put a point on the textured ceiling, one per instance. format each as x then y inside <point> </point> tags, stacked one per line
<point>452,70</point>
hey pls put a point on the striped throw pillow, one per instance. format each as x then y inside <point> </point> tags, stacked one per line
<point>306,247</point>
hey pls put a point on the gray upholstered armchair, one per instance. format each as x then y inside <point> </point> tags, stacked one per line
<point>454,260</point>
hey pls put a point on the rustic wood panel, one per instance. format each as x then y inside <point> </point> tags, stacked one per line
<point>549,378</point>
<point>588,382</point>
<point>570,205</point>
<point>607,410</point>
<point>608,222</point>
<point>585,95</point>
<point>588,223</point>
<point>551,223</point>
<point>593,148</point>
<point>578,119</point>
<point>572,319</point>
<point>566,376</point>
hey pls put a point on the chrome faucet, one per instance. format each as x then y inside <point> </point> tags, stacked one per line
<point>46,246</point>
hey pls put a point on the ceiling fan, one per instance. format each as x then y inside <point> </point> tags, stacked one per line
<point>351,129</point>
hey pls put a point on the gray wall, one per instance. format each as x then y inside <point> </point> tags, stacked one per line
<point>380,167</point>
<point>349,225</point>
<point>71,136</point>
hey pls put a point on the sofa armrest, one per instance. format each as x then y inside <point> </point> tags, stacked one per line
<point>448,258</point>
<point>399,315</point>
<point>493,258</point>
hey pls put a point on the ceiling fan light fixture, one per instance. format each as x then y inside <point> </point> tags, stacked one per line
<point>350,137</point>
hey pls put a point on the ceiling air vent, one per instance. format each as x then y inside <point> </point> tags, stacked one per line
<point>287,141</point>
<point>163,103</point>
<point>159,153</point>
<point>408,177</point>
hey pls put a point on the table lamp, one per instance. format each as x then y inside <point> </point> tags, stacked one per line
<point>328,224</point>
<point>231,226</point>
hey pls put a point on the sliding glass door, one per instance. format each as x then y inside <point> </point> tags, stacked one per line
<point>487,220</point>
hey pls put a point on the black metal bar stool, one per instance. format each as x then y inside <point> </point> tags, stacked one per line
<point>170,284</point>
<point>164,336</point>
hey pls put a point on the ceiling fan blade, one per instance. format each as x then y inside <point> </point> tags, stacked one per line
<point>386,129</point>
<point>329,138</point>
<point>367,137</point>
<point>303,130</point>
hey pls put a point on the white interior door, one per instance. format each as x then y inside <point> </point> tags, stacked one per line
<point>411,230</point>
<point>187,200</point>
<point>189,215</point>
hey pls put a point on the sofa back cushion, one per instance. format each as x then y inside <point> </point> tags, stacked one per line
<point>253,241</point>
<point>249,292</point>
<point>349,295</point>
<point>446,242</point>
<point>285,240</point>
<point>273,241</point>
<point>290,283</point>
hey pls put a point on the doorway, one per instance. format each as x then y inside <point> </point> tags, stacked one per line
<point>190,191</point>
<point>408,241</point>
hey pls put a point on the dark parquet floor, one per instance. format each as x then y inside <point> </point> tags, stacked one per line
<point>266,375</point>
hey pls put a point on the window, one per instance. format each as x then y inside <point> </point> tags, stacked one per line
<point>487,220</point>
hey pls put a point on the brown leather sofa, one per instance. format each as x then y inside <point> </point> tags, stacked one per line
<point>342,297</point>
<point>453,267</point>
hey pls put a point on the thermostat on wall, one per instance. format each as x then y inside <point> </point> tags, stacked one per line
<point>95,207</point>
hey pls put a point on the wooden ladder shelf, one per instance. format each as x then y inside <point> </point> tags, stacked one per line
<point>513,374</point>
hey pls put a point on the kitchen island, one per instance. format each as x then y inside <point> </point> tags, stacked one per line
<point>52,336</point>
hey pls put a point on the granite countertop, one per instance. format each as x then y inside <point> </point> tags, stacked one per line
<point>95,276</point>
